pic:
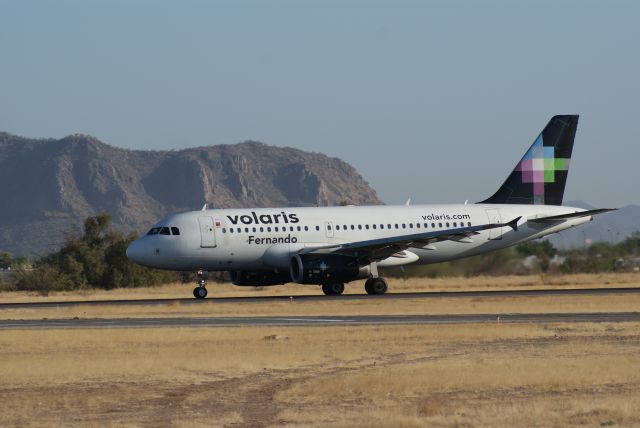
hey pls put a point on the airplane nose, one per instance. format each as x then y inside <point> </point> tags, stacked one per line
<point>135,252</point>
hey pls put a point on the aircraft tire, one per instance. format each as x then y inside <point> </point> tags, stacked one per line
<point>376,286</point>
<point>199,292</point>
<point>333,289</point>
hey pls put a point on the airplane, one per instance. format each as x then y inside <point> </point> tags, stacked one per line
<point>331,246</point>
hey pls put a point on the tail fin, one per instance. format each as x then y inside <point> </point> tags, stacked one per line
<point>540,176</point>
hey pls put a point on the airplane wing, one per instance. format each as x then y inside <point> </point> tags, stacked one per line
<point>381,248</point>
<point>578,214</point>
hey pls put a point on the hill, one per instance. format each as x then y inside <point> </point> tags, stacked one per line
<point>50,186</point>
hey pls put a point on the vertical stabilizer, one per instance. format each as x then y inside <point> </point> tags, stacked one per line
<point>540,176</point>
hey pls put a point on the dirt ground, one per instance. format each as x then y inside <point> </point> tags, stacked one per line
<point>407,376</point>
<point>497,375</point>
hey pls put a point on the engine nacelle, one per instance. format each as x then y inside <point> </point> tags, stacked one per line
<point>258,278</point>
<point>325,268</point>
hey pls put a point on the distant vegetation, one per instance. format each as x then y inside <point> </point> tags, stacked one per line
<point>97,259</point>
<point>538,257</point>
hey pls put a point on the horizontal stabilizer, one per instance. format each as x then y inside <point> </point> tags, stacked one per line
<point>555,218</point>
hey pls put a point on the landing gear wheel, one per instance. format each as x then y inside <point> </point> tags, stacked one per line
<point>199,292</point>
<point>376,286</point>
<point>334,289</point>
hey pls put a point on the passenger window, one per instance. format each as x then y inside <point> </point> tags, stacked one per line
<point>224,230</point>
<point>352,227</point>
<point>317,228</point>
<point>306,228</point>
<point>328,227</point>
<point>337,227</point>
<point>439,224</point>
<point>388,226</point>
<point>254,230</point>
<point>359,227</point>
<point>246,229</point>
<point>410,225</point>
<point>268,229</point>
<point>469,224</point>
<point>262,229</point>
<point>375,227</point>
<point>366,226</point>
<point>396,225</point>
<point>418,225</point>
<point>426,225</point>
<point>455,224</point>
<point>382,226</point>
<point>404,225</point>
<point>164,231</point>
<point>231,230</point>
<point>275,228</point>
<point>175,231</point>
<point>447,224</point>
<point>433,225</point>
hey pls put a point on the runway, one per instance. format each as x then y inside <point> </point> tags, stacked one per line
<point>100,323</point>
<point>319,297</point>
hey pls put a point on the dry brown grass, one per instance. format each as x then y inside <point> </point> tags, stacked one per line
<point>438,305</point>
<point>397,285</point>
<point>458,375</point>
<point>365,376</point>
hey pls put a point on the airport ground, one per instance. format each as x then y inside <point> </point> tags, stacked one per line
<point>485,374</point>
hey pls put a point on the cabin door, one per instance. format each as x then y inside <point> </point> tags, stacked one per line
<point>207,232</point>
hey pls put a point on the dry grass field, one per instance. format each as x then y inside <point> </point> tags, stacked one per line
<point>401,376</point>
<point>396,285</point>
<point>493,375</point>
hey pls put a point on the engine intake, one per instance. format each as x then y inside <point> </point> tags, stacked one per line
<point>324,268</point>
<point>258,278</point>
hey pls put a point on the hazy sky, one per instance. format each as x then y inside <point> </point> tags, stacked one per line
<point>431,100</point>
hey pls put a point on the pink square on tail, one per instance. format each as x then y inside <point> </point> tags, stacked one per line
<point>527,176</point>
<point>525,165</point>
<point>538,188</point>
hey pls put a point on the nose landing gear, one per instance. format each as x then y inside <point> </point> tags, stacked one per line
<point>200,292</point>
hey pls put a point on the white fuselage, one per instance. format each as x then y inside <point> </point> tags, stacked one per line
<point>266,238</point>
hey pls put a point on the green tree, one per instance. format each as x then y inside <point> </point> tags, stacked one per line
<point>95,259</point>
<point>543,250</point>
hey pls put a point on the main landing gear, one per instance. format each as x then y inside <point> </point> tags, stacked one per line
<point>376,286</point>
<point>200,292</point>
<point>333,289</point>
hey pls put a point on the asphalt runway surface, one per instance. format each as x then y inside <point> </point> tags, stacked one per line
<point>93,323</point>
<point>212,299</point>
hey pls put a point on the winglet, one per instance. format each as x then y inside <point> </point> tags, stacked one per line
<point>513,224</point>
<point>204,207</point>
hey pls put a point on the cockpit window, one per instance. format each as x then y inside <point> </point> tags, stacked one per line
<point>153,231</point>
<point>164,231</point>
<point>175,231</point>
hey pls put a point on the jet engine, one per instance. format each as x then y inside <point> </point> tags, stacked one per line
<point>325,268</point>
<point>258,278</point>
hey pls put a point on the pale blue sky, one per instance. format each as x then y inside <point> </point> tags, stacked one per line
<point>433,100</point>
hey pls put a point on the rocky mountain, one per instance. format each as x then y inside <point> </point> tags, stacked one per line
<point>48,187</point>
